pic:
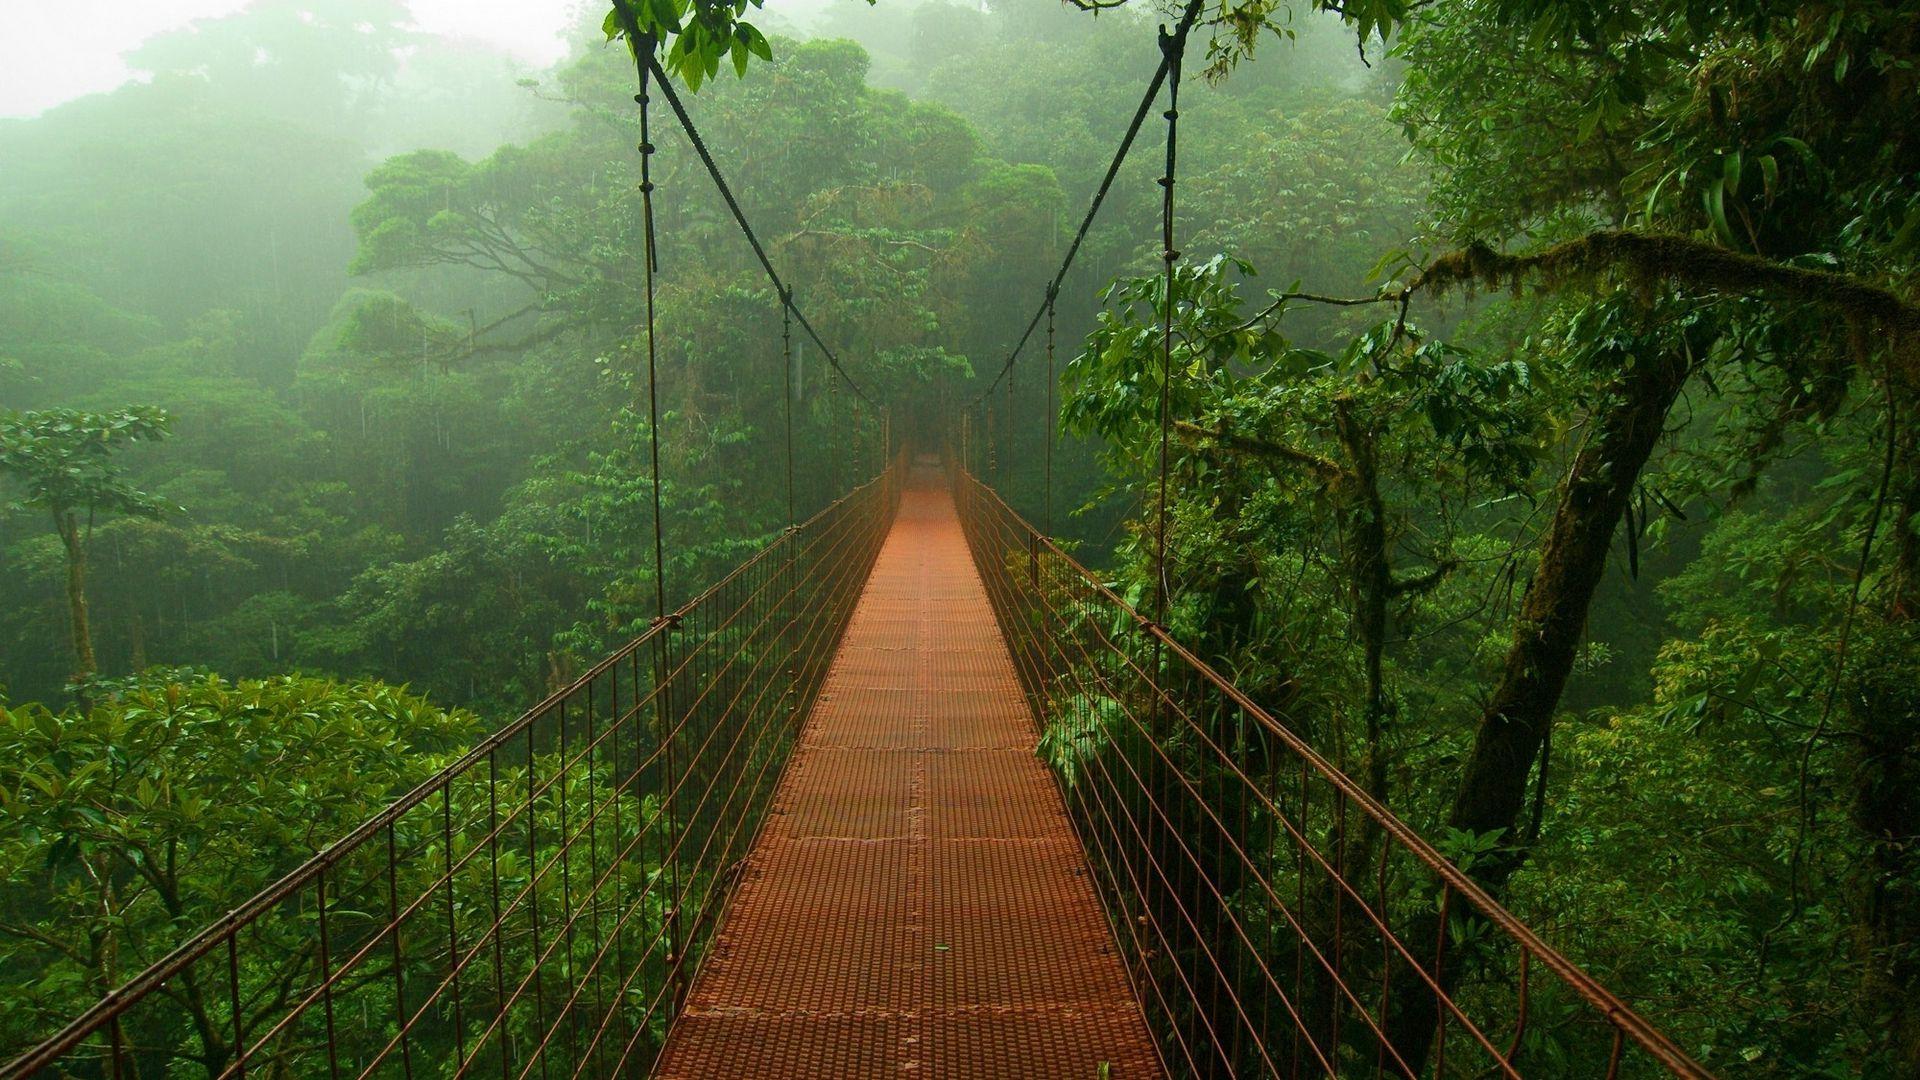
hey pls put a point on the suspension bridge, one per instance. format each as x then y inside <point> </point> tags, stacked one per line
<point>799,828</point>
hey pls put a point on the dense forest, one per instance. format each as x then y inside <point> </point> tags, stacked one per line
<point>1540,404</point>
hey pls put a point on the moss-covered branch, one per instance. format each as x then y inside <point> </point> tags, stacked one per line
<point>1265,448</point>
<point>1651,257</point>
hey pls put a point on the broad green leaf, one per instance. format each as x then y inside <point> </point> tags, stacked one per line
<point>1714,198</point>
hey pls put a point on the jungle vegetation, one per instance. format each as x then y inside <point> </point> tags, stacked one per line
<point>1544,388</point>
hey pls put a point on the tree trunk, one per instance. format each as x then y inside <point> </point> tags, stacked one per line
<point>1370,577</point>
<point>1547,635</point>
<point>137,647</point>
<point>69,526</point>
<point>1885,771</point>
<point>1553,615</point>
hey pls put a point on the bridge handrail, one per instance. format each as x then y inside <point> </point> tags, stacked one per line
<point>212,935</point>
<point>1624,1018</point>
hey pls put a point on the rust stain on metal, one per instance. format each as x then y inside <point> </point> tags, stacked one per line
<point>918,904</point>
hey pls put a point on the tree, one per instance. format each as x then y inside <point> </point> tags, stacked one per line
<point>1696,224</point>
<point>294,58</point>
<point>62,459</point>
<point>169,800</point>
<point>1737,179</point>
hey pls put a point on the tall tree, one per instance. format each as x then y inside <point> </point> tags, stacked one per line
<point>63,459</point>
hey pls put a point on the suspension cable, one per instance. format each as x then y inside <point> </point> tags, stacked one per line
<point>1010,426</point>
<point>740,219</point>
<point>993,448</point>
<point>1167,64</point>
<point>839,473</point>
<point>786,366</point>
<point>1172,46</point>
<point>643,47</point>
<point>1048,418</point>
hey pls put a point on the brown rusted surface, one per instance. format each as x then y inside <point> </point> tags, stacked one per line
<point>918,904</point>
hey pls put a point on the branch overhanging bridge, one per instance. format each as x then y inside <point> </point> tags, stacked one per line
<point>802,827</point>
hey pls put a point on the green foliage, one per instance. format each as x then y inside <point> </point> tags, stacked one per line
<point>699,34</point>
<point>469,418</point>
<point>1081,729</point>
<point>172,799</point>
<point>444,477</point>
<point>1715,824</point>
<point>62,458</point>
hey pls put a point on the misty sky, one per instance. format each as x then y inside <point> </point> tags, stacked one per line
<point>56,50</point>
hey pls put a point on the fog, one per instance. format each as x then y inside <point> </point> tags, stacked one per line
<point>1513,400</point>
<point>236,237</point>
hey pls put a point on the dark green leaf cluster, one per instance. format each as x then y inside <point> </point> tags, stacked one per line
<point>62,459</point>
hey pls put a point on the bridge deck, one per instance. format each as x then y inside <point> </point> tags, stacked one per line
<point>917,904</point>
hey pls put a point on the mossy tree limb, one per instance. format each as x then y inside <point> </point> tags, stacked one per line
<point>1649,259</point>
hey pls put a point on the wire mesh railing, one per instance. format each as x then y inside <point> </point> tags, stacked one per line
<point>539,906</point>
<point>1275,919</point>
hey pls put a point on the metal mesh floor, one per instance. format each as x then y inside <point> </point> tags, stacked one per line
<point>918,904</point>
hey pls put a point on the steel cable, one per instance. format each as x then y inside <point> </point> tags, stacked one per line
<point>1187,18</point>
<point>740,218</point>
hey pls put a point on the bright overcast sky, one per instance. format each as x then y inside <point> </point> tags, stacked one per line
<point>56,50</point>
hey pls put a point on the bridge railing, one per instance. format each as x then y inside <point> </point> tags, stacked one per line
<point>1275,919</point>
<point>538,907</point>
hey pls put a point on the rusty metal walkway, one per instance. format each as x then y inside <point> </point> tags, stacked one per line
<point>918,904</point>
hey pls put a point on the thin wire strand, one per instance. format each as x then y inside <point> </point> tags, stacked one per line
<point>1187,19</point>
<point>644,47</point>
<point>1051,420</point>
<point>740,218</point>
<point>1173,46</point>
<point>786,365</point>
